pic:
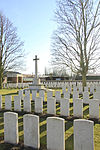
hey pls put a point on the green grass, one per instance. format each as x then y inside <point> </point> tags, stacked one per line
<point>43,132</point>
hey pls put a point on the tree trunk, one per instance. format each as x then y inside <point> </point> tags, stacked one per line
<point>84,80</point>
<point>0,81</point>
<point>1,78</point>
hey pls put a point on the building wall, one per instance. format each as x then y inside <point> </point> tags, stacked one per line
<point>11,79</point>
<point>14,78</point>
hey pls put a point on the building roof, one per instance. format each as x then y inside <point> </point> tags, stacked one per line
<point>11,72</point>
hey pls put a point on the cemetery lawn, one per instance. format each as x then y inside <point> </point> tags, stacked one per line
<point>43,132</point>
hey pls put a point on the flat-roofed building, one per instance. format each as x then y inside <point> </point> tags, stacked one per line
<point>14,77</point>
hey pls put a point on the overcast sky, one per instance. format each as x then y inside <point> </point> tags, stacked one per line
<point>34,21</point>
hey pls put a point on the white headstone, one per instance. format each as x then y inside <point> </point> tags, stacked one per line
<point>75,95</point>
<point>83,135</point>
<point>31,131</point>
<point>64,107</point>
<point>11,127</point>
<point>91,89</point>
<point>64,89</point>
<point>42,94</point>
<point>49,94</point>
<point>20,93</point>
<point>96,95</point>
<point>67,95</point>
<point>80,89</point>
<point>69,89</point>
<point>58,96</point>
<point>17,103</point>
<point>78,108</point>
<point>8,102</point>
<point>27,103</point>
<point>98,88</point>
<point>51,106</point>
<point>94,108</point>
<point>55,133</point>
<point>86,97</point>
<point>27,92</point>
<point>34,92</point>
<point>75,88</point>
<point>86,88</point>
<point>39,105</point>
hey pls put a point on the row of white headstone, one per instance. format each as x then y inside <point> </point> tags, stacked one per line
<point>57,84</point>
<point>75,93</point>
<point>83,132</point>
<point>57,94</point>
<point>80,89</point>
<point>51,84</point>
<point>51,106</point>
<point>16,85</point>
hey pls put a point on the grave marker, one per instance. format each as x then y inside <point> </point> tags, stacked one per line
<point>31,131</point>
<point>27,103</point>
<point>94,108</point>
<point>55,133</point>
<point>83,134</point>
<point>11,127</point>
<point>64,107</point>
<point>17,103</point>
<point>39,105</point>
<point>8,102</point>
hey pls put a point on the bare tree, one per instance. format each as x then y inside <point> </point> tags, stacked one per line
<point>76,42</point>
<point>11,50</point>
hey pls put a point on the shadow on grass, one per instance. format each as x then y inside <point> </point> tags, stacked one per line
<point>45,107</point>
<point>91,96</point>
<point>71,107</point>
<point>69,143</point>
<point>5,146</point>
<point>10,94</point>
<point>44,104</point>
<point>68,125</point>
<point>69,135</point>
<point>71,112</point>
<point>43,133</point>
<point>57,108</point>
<point>86,111</point>
<point>32,106</point>
<point>71,95</point>
<point>20,127</point>
<point>80,96</point>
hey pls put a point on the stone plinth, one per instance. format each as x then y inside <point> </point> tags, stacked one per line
<point>36,81</point>
<point>36,85</point>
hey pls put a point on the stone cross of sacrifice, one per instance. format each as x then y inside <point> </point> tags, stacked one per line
<point>36,67</point>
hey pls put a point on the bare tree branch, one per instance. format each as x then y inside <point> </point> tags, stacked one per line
<point>11,48</point>
<point>76,40</point>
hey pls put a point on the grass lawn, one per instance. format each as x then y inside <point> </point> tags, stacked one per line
<point>68,125</point>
